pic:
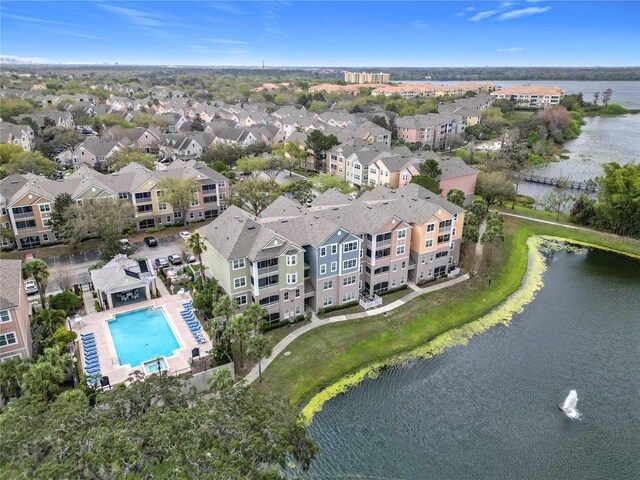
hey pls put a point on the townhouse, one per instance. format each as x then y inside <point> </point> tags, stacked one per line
<point>26,200</point>
<point>335,252</point>
<point>20,135</point>
<point>530,96</point>
<point>15,312</point>
<point>59,119</point>
<point>93,151</point>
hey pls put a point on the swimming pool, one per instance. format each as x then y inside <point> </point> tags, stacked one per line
<point>142,335</point>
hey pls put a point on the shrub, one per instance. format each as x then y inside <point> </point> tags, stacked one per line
<point>393,290</point>
<point>98,306</point>
<point>281,323</point>
<point>67,301</point>
<point>62,337</point>
<point>337,307</point>
<point>613,109</point>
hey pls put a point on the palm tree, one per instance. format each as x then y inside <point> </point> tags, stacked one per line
<point>40,273</point>
<point>42,379</point>
<point>49,320</point>
<point>55,357</point>
<point>256,314</point>
<point>259,348</point>
<point>197,246</point>
<point>225,307</point>
<point>239,328</point>
<point>11,372</point>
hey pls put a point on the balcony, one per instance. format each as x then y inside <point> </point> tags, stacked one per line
<point>309,289</point>
<point>383,243</point>
<point>142,200</point>
<point>267,270</point>
<point>23,215</point>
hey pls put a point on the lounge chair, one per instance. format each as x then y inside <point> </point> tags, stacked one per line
<point>188,304</point>
<point>91,356</point>
<point>184,312</point>
<point>92,370</point>
<point>89,343</point>
<point>89,348</point>
<point>87,335</point>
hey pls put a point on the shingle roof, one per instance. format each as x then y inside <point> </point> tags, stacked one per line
<point>331,198</point>
<point>10,283</point>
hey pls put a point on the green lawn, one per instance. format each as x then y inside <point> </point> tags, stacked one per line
<point>324,355</point>
<point>518,116</point>
<point>539,214</point>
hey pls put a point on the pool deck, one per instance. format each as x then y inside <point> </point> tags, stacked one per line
<point>96,323</point>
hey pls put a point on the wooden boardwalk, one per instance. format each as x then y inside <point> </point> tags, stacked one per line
<point>588,186</point>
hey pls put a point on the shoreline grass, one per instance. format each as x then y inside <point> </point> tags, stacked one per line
<point>327,354</point>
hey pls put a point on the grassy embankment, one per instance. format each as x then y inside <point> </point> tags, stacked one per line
<point>323,356</point>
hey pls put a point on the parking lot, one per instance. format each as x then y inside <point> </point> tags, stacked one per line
<point>76,264</point>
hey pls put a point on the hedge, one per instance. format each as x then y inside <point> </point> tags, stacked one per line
<point>337,307</point>
<point>280,323</point>
<point>393,290</point>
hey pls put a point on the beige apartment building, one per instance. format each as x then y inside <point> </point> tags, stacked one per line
<point>15,312</point>
<point>366,77</point>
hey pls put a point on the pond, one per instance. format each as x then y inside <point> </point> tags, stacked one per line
<point>490,409</point>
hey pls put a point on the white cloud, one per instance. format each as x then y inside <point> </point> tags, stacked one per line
<point>482,15</point>
<point>16,59</point>
<point>227,8</point>
<point>523,12</point>
<point>511,50</point>
<point>419,24</point>
<point>137,17</point>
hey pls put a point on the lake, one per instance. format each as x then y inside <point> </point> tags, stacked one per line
<point>626,93</point>
<point>602,140</point>
<point>490,409</point>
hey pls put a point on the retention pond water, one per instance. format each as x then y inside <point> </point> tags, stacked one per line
<point>490,409</point>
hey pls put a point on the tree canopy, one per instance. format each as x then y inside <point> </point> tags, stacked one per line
<point>428,177</point>
<point>123,158</point>
<point>255,194</point>
<point>494,187</point>
<point>178,193</point>
<point>154,429</point>
<point>13,161</point>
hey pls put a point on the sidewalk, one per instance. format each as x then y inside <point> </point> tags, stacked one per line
<point>316,322</point>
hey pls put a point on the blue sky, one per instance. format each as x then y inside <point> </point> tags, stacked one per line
<point>322,33</point>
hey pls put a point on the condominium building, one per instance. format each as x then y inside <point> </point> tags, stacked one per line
<point>366,77</point>
<point>20,135</point>
<point>26,200</point>
<point>331,253</point>
<point>15,312</point>
<point>531,96</point>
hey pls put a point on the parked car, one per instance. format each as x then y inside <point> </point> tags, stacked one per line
<point>192,258</point>
<point>125,243</point>
<point>184,235</point>
<point>31,287</point>
<point>151,241</point>
<point>175,259</point>
<point>161,262</point>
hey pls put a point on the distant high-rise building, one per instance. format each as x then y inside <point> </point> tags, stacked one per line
<point>366,77</point>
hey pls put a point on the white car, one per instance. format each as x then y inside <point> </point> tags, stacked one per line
<point>184,235</point>
<point>31,287</point>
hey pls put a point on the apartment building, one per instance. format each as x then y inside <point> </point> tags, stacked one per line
<point>366,77</point>
<point>434,129</point>
<point>531,96</point>
<point>429,90</point>
<point>15,312</point>
<point>331,253</point>
<point>20,135</point>
<point>254,264</point>
<point>26,200</point>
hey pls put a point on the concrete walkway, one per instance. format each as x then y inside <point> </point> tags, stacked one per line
<point>89,303</point>
<point>479,248</point>
<point>316,322</point>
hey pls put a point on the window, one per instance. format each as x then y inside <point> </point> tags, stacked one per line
<point>400,250</point>
<point>177,214</point>
<point>431,227</point>
<point>191,215</point>
<point>429,243</point>
<point>402,234</point>
<point>327,285</point>
<point>445,224</point>
<point>443,238</point>
<point>239,282</point>
<point>292,278</point>
<point>222,183</point>
<point>453,232</point>
<point>403,265</point>
<point>334,266</point>
<point>162,206</point>
<point>380,270</point>
<point>423,259</point>
<point>349,281</point>
<point>45,207</point>
<point>298,310</point>
<point>45,237</point>
<point>285,296</point>
<point>4,316</point>
<point>159,193</point>
<point>401,280</point>
<point>348,297</point>
<point>292,260</point>
<point>241,300</point>
<point>238,263</point>
<point>195,202</point>
<point>269,300</point>
<point>395,267</point>
<point>430,273</point>
<point>323,269</point>
<point>8,339</point>
<point>25,224</point>
<point>372,170</point>
<point>286,313</point>
<point>442,254</point>
<point>393,284</point>
<point>327,301</point>
<point>145,208</point>
<point>350,246</point>
<point>297,293</point>
<point>334,249</point>
<point>455,217</point>
<point>323,251</point>
<point>268,281</point>
<point>349,264</point>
